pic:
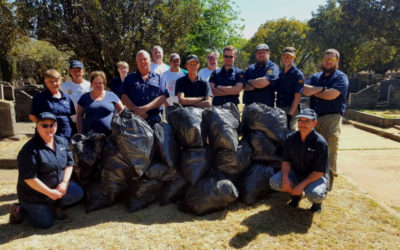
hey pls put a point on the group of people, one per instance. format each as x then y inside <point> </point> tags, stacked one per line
<point>78,106</point>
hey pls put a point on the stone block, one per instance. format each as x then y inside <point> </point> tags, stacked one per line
<point>7,117</point>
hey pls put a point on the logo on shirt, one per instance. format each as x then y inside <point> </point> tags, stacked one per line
<point>70,92</point>
<point>269,72</point>
<point>301,81</point>
<point>241,76</point>
<point>310,149</point>
<point>62,148</point>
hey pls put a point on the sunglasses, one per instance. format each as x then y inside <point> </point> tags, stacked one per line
<point>332,59</point>
<point>45,125</point>
<point>228,57</point>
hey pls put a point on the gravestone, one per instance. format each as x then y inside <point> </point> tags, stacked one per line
<point>384,89</point>
<point>23,102</point>
<point>7,117</point>
<point>394,96</point>
<point>366,98</point>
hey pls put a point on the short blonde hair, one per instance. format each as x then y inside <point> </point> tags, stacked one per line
<point>52,73</point>
<point>332,51</point>
<point>122,64</point>
<point>97,73</point>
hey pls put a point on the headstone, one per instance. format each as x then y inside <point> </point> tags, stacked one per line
<point>384,89</point>
<point>7,117</point>
<point>23,102</point>
<point>394,96</point>
<point>366,98</point>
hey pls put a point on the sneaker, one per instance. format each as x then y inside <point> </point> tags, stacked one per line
<point>295,201</point>
<point>15,217</point>
<point>316,208</point>
<point>60,214</point>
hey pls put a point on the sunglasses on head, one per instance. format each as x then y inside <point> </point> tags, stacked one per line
<point>45,125</point>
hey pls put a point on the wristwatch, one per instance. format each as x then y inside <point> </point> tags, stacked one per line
<point>203,98</point>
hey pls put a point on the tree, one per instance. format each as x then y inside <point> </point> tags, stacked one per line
<point>102,32</point>
<point>278,35</point>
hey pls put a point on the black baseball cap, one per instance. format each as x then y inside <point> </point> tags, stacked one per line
<point>307,113</point>
<point>46,116</point>
<point>192,58</point>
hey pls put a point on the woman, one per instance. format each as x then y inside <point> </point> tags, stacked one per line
<point>44,171</point>
<point>116,83</point>
<point>53,100</point>
<point>95,109</point>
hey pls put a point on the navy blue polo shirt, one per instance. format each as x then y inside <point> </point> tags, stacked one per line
<point>308,156</point>
<point>266,95</point>
<point>222,77</point>
<point>62,108</point>
<point>198,88</point>
<point>36,160</point>
<point>142,92</point>
<point>116,86</point>
<point>338,80</point>
<point>288,84</point>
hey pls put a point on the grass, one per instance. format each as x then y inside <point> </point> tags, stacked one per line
<point>385,113</point>
<point>349,220</point>
<point>9,148</point>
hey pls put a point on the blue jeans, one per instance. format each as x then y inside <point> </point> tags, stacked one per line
<point>42,216</point>
<point>315,192</point>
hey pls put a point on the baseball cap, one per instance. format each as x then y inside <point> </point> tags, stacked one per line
<point>289,50</point>
<point>173,56</point>
<point>307,113</point>
<point>46,116</point>
<point>262,46</point>
<point>76,64</point>
<point>192,58</point>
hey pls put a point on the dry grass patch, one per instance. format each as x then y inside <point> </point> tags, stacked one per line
<point>9,148</point>
<point>349,220</point>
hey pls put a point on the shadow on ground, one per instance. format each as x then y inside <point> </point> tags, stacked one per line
<point>279,219</point>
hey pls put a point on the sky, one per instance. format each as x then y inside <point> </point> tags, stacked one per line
<point>257,12</point>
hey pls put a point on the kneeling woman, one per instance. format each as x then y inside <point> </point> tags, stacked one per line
<point>95,109</point>
<point>44,170</point>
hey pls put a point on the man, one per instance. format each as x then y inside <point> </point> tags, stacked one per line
<point>328,92</point>
<point>261,78</point>
<point>157,66</point>
<point>304,163</point>
<point>289,87</point>
<point>169,77</point>
<point>227,82</point>
<point>212,64</point>
<point>75,87</point>
<point>190,89</point>
<point>45,167</point>
<point>143,92</point>
<point>116,83</point>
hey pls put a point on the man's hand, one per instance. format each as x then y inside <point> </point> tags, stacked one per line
<point>141,111</point>
<point>55,194</point>
<point>297,190</point>
<point>62,188</point>
<point>286,185</point>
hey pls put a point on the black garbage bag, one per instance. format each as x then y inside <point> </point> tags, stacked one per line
<point>244,156</point>
<point>186,125</point>
<point>226,161</point>
<point>208,195</point>
<point>165,145</point>
<point>173,191</point>
<point>220,126</point>
<point>195,162</point>
<point>271,121</point>
<point>142,193</point>
<point>159,171</point>
<point>114,179</point>
<point>254,183</point>
<point>87,153</point>
<point>263,148</point>
<point>134,138</point>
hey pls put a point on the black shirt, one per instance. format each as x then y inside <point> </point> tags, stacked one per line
<point>308,156</point>
<point>36,160</point>
<point>198,88</point>
<point>223,77</point>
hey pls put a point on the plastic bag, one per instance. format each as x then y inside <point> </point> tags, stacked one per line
<point>160,171</point>
<point>134,138</point>
<point>87,153</point>
<point>195,162</point>
<point>142,193</point>
<point>220,125</point>
<point>244,156</point>
<point>263,148</point>
<point>173,191</point>
<point>208,195</point>
<point>271,121</point>
<point>165,145</point>
<point>186,125</point>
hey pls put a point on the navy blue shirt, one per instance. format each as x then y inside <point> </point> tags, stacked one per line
<point>338,80</point>
<point>36,160</point>
<point>266,95</point>
<point>308,156</point>
<point>62,108</point>
<point>222,77</point>
<point>143,92</point>
<point>116,86</point>
<point>98,114</point>
<point>198,88</point>
<point>288,84</point>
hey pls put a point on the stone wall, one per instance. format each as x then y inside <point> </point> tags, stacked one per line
<point>366,98</point>
<point>371,119</point>
<point>7,117</point>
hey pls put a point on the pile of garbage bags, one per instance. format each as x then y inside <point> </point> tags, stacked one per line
<point>195,160</point>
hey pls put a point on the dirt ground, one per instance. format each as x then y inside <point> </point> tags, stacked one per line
<point>371,161</point>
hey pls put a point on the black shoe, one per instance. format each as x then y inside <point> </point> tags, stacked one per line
<point>15,217</point>
<point>316,208</point>
<point>295,201</point>
<point>60,214</point>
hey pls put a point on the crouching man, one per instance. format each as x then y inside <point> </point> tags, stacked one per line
<point>44,171</point>
<point>305,165</point>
